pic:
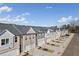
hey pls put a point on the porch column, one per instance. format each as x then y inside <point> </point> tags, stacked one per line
<point>24,47</point>
<point>18,45</point>
<point>45,38</point>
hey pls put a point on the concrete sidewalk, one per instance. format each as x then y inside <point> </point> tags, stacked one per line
<point>73,47</point>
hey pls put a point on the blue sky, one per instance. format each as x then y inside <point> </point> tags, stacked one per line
<point>45,14</point>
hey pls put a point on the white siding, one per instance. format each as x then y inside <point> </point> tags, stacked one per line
<point>31,31</point>
<point>30,42</point>
<point>5,35</point>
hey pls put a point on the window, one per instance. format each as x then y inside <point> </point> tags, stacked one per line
<point>7,41</point>
<point>15,39</point>
<point>3,42</point>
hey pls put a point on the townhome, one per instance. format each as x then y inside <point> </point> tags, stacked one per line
<point>11,36</point>
<point>25,38</point>
<point>33,37</point>
<point>20,33</point>
<point>40,31</point>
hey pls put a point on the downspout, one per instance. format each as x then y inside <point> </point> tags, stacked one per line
<point>36,43</point>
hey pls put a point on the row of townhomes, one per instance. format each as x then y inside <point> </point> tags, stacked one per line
<point>17,39</point>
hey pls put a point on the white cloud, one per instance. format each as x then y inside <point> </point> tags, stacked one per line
<point>49,7</point>
<point>68,20</point>
<point>63,19</point>
<point>5,9</point>
<point>76,19</point>
<point>27,14</point>
<point>19,19</point>
<point>70,17</point>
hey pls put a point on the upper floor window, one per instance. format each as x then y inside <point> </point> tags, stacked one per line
<point>7,40</point>
<point>2,41</point>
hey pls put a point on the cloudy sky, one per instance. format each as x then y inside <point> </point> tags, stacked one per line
<point>38,14</point>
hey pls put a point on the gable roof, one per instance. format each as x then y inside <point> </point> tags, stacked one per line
<point>38,29</point>
<point>22,29</point>
<point>15,29</point>
<point>54,28</point>
<point>2,32</point>
<point>9,27</point>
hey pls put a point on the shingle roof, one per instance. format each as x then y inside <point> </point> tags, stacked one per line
<point>22,29</point>
<point>15,29</point>
<point>54,28</point>
<point>39,29</point>
<point>9,27</point>
<point>2,31</point>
